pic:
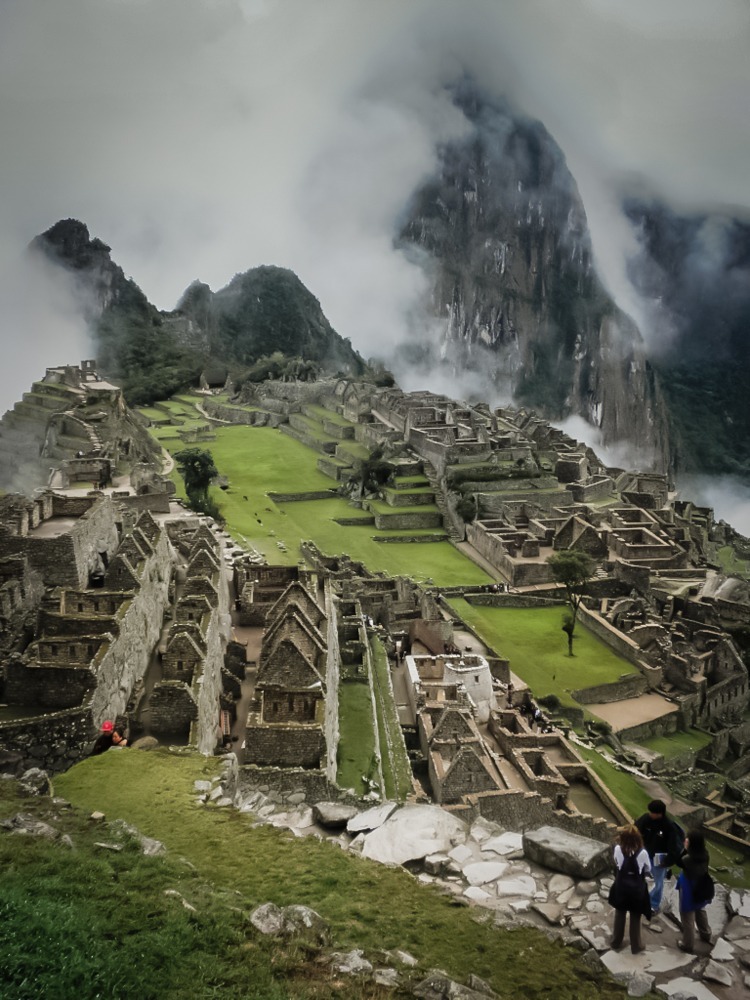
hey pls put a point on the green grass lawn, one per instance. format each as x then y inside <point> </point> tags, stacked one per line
<point>259,460</point>
<point>367,905</point>
<point>677,743</point>
<point>622,785</point>
<point>357,736</point>
<point>533,641</point>
<point>396,766</point>
<point>731,564</point>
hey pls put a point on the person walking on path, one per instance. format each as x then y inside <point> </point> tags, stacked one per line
<point>629,892</point>
<point>663,840</point>
<point>695,887</point>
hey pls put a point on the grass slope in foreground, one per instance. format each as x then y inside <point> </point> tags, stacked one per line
<point>367,905</point>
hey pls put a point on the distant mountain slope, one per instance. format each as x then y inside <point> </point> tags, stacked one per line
<point>515,293</point>
<point>695,270</point>
<point>153,353</point>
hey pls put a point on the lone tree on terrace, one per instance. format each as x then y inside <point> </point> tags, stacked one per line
<point>573,570</point>
<point>197,469</point>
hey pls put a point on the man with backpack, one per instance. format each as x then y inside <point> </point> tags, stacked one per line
<point>664,841</point>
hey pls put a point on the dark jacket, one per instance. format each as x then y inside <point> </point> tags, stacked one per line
<point>694,867</point>
<point>661,836</point>
<point>103,742</point>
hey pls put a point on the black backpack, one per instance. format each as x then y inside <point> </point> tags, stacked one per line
<point>630,886</point>
<point>703,889</point>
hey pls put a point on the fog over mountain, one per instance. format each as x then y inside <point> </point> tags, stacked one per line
<point>200,139</point>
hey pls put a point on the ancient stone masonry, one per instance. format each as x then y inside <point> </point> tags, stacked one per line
<point>72,423</point>
<point>287,724</point>
<point>186,703</point>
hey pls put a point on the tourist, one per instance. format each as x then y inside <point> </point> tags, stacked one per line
<point>629,892</point>
<point>663,840</point>
<point>695,887</point>
<point>105,739</point>
<point>119,738</point>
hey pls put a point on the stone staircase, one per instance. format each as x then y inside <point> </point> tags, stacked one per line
<point>441,503</point>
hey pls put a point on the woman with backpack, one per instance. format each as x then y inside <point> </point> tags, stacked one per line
<point>629,892</point>
<point>696,889</point>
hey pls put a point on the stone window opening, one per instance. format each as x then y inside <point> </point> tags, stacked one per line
<point>80,607</point>
<point>72,650</point>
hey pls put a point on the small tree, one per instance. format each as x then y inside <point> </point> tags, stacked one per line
<point>197,469</point>
<point>573,570</point>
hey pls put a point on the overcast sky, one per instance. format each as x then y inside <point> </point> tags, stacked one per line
<point>202,137</point>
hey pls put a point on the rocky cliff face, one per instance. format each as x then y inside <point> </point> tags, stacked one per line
<point>503,232</point>
<point>695,272</point>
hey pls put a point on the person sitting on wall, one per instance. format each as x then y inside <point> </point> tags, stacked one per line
<point>105,739</point>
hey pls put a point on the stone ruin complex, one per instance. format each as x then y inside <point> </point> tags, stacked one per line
<point>124,606</point>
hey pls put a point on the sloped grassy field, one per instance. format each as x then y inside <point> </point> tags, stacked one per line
<point>113,932</point>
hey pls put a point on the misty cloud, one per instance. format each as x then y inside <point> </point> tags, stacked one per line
<point>201,139</point>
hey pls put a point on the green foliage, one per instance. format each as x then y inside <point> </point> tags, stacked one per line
<point>573,569</point>
<point>466,508</point>
<point>197,469</point>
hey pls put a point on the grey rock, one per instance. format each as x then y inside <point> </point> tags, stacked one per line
<point>413,832</point>
<point>716,973</point>
<point>482,872</point>
<point>560,883</point>
<point>505,844</point>
<point>224,802</point>
<point>684,988</point>
<point>480,985</point>
<point>385,977</point>
<point>334,815</point>
<point>477,895</point>
<point>639,984</point>
<point>35,781</point>
<point>552,912</point>
<point>351,963</point>
<point>302,922</point>
<point>371,819</point>
<point>149,846</point>
<point>268,918</point>
<point>27,826</point>
<point>104,846</point>
<point>438,986</point>
<point>722,951</point>
<point>202,786</point>
<point>145,743</point>
<point>403,957</point>
<point>435,863</point>
<point>566,852</point>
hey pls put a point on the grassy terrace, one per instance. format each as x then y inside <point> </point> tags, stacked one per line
<point>262,460</point>
<point>536,646</point>
<point>678,743</point>
<point>730,563</point>
<point>395,763</point>
<point>214,952</point>
<point>321,414</point>
<point>356,737</point>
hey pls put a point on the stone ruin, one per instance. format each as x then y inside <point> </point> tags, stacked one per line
<point>88,585</point>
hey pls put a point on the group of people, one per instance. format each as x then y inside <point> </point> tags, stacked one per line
<point>109,736</point>
<point>650,848</point>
